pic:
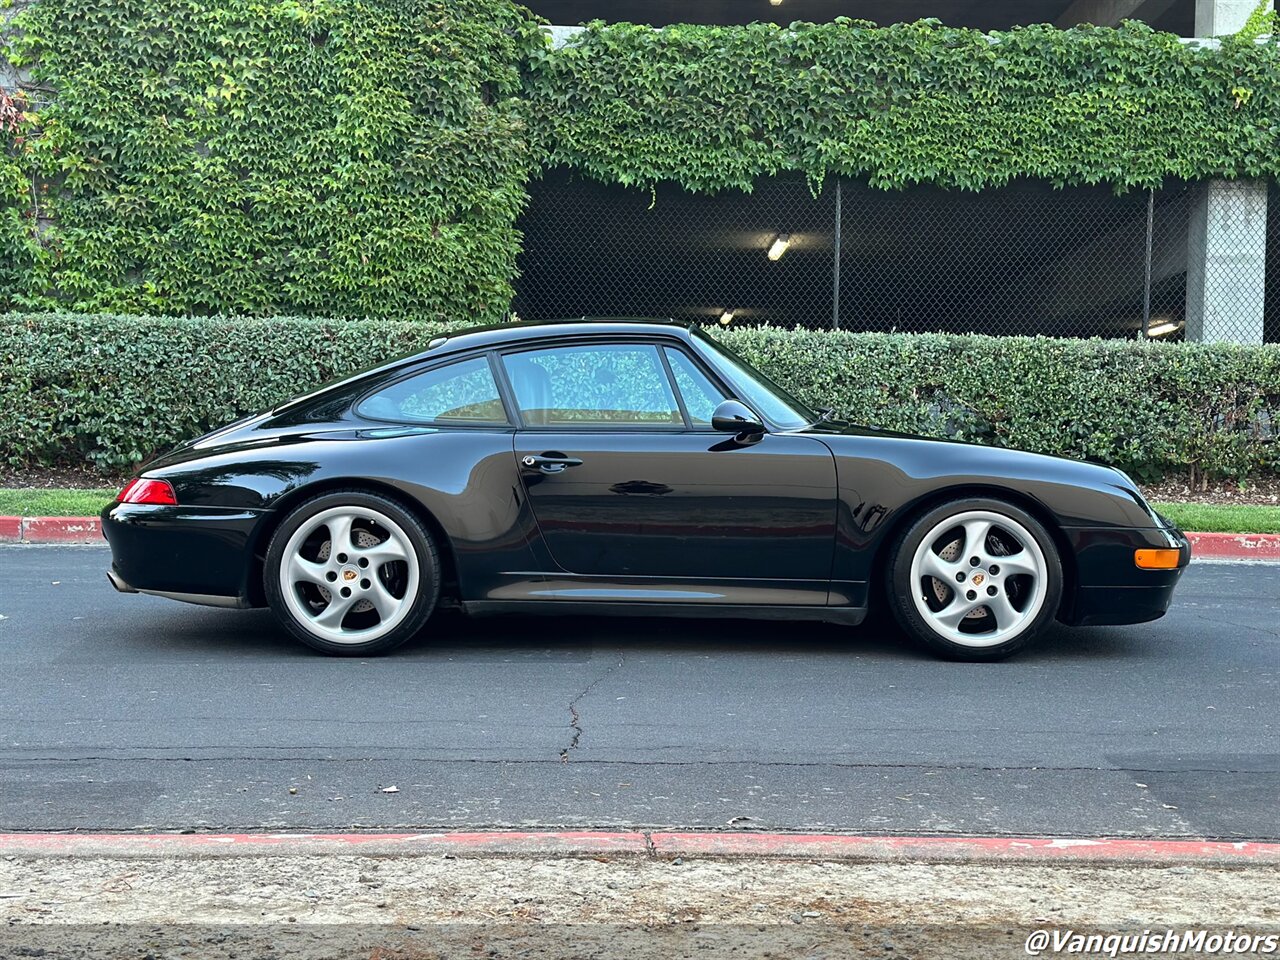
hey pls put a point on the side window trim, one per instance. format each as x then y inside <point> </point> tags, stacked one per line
<point>517,416</point>
<point>713,378</point>
<point>675,387</point>
<point>505,391</point>
<point>441,364</point>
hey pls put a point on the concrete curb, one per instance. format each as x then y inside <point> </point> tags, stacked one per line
<point>1204,546</point>
<point>667,845</point>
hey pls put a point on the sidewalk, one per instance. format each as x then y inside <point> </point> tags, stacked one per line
<point>610,894</point>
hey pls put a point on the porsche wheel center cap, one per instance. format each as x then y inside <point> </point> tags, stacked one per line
<point>350,574</point>
<point>977,579</point>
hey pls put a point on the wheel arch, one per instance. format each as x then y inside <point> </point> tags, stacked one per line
<point>285,505</point>
<point>911,512</point>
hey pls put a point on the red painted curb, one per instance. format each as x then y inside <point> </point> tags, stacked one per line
<point>824,846</point>
<point>50,529</point>
<point>602,843</point>
<point>1235,546</point>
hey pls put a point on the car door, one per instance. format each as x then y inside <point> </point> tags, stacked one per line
<point>627,479</point>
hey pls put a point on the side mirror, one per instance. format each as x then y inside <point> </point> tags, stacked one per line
<point>734,417</point>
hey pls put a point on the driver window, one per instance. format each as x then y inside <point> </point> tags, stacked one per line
<point>599,384</point>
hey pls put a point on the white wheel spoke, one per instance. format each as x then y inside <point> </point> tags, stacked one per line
<point>388,551</point>
<point>340,534</point>
<point>382,600</point>
<point>1000,607</point>
<point>932,565</point>
<point>975,538</point>
<point>951,615</point>
<point>331,617</point>
<point>302,570</point>
<point>1019,563</point>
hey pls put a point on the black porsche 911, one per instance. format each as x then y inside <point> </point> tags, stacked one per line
<point>626,467</point>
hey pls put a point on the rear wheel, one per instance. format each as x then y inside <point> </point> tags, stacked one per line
<point>975,579</point>
<point>352,573</point>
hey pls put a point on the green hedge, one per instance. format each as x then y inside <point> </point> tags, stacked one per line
<point>116,390</point>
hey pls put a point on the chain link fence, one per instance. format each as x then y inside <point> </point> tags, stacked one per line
<point>1190,260</point>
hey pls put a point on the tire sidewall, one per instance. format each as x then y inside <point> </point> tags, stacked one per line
<point>425,554</point>
<point>903,590</point>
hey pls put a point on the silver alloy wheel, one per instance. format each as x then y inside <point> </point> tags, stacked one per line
<point>978,578</point>
<point>349,574</point>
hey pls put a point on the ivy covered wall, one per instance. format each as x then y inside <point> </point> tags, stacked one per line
<point>369,157</point>
<point>338,157</point>
<point>717,107</point>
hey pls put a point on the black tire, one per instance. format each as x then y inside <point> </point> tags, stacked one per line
<point>425,553</point>
<point>901,589</point>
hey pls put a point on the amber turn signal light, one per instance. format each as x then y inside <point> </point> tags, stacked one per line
<point>1163,559</point>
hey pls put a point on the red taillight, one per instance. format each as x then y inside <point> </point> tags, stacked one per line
<point>148,491</point>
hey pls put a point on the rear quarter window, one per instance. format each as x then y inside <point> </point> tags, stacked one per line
<point>462,392</point>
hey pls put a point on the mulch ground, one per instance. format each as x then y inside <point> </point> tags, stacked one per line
<point>48,478</point>
<point>1261,492</point>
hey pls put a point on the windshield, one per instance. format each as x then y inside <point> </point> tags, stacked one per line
<point>767,398</point>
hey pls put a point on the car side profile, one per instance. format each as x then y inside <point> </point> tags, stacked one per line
<point>626,467</point>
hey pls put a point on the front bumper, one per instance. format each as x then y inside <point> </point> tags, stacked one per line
<point>1109,587</point>
<point>194,554</point>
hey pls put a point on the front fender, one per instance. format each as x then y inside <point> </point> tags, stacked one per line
<point>884,480</point>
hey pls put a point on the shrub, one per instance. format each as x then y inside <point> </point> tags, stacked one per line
<point>115,390</point>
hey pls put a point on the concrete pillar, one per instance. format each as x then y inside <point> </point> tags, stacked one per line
<point>1227,239</point>
<point>1216,18</point>
<point>1227,261</point>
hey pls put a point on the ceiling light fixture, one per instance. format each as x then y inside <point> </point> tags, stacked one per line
<point>779,246</point>
<point>1163,329</point>
<point>776,3</point>
<point>726,318</point>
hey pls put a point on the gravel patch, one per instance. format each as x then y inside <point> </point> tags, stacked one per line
<point>386,906</point>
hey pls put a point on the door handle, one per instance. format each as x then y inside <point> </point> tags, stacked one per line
<point>550,463</point>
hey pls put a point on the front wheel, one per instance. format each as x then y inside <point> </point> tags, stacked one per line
<point>975,579</point>
<point>352,573</point>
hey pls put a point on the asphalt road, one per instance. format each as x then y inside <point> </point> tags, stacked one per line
<point>127,712</point>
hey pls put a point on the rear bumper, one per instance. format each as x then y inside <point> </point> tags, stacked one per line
<point>1110,587</point>
<point>194,554</point>
<point>203,599</point>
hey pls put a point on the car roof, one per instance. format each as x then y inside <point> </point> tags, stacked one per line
<point>488,337</point>
<point>503,334</point>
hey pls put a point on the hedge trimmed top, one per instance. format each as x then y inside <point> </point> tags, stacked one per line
<point>326,157</point>
<point>717,107</point>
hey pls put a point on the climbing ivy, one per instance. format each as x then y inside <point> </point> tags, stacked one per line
<point>369,157</point>
<point>713,108</point>
<point>345,157</point>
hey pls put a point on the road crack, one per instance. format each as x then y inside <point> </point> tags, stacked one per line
<point>575,718</point>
